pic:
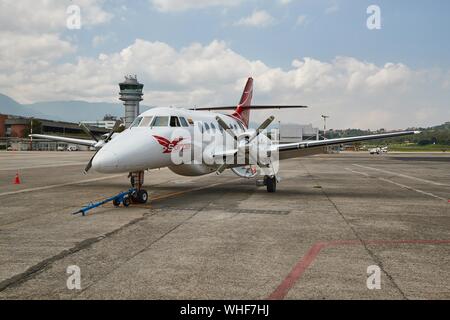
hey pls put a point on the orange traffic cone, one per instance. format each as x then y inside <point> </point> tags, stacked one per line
<point>17,178</point>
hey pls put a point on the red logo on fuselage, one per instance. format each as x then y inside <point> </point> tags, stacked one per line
<point>168,146</point>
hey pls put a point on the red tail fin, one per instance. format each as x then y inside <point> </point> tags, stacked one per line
<point>243,108</point>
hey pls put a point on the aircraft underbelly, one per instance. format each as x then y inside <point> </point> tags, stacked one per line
<point>191,170</point>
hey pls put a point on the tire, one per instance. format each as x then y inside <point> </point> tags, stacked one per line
<point>126,201</point>
<point>134,197</point>
<point>142,196</point>
<point>271,183</point>
<point>116,203</point>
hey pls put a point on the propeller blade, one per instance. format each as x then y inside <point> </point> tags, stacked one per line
<point>221,169</point>
<point>262,127</point>
<point>86,130</point>
<point>113,130</point>
<point>226,128</point>
<point>265,124</point>
<point>89,165</point>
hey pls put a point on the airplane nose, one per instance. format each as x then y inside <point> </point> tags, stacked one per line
<point>105,162</point>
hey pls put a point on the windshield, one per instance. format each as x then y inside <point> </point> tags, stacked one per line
<point>146,122</point>
<point>161,122</point>
<point>136,122</point>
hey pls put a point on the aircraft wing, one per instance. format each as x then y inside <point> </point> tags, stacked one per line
<point>83,142</point>
<point>296,149</point>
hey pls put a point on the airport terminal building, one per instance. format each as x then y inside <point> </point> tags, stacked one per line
<point>14,132</point>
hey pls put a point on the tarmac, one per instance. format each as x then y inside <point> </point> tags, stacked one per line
<point>332,217</point>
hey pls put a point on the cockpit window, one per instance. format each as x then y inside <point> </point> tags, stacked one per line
<point>136,122</point>
<point>146,122</point>
<point>160,122</point>
<point>174,122</point>
<point>184,122</point>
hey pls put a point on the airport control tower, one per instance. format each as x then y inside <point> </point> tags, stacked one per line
<point>131,95</point>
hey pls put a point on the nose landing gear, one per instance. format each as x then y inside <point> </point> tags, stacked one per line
<point>137,180</point>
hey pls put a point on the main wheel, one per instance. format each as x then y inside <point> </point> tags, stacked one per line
<point>271,184</point>
<point>142,196</point>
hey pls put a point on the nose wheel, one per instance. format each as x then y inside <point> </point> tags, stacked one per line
<point>137,181</point>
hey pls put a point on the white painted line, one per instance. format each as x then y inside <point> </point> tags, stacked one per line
<point>44,166</point>
<point>402,175</point>
<point>400,185</point>
<point>59,185</point>
<point>361,173</point>
<point>413,189</point>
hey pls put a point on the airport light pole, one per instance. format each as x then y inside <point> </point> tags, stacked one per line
<point>325,125</point>
<point>31,132</point>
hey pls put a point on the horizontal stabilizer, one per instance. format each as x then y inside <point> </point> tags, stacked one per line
<point>252,107</point>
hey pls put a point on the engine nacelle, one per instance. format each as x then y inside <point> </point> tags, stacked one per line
<point>245,172</point>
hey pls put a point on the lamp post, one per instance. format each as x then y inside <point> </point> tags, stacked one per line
<point>324,125</point>
<point>31,132</point>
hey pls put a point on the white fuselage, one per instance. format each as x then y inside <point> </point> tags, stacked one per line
<point>155,135</point>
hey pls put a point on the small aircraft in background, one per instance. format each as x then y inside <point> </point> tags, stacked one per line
<point>157,135</point>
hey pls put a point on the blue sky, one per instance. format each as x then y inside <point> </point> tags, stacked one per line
<point>413,32</point>
<point>200,52</point>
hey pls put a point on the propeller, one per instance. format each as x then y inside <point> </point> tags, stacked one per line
<point>87,131</point>
<point>230,131</point>
<point>100,143</point>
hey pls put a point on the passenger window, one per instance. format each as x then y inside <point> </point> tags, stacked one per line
<point>160,122</point>
<point>174,122</point>
<point>213,127</point>
<point>206,127</point>
<point>240,125</point>
<point>136,122</point>
<point>146,122</point>
<point>184,122</point>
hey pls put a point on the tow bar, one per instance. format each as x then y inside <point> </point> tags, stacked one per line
<point>122,198</point>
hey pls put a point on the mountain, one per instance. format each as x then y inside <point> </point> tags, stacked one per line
<point>71,111</point>
<point>10,106</point>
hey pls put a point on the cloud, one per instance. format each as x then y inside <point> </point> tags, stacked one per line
<point>259,18</point>
<point>102,39</point>
<point>48,15</point>
<point>182,5</point>
<point>354,93</point>
<point>301,20</point>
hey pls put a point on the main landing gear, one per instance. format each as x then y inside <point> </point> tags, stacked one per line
<point>137,180</point>
<point>270,182</point>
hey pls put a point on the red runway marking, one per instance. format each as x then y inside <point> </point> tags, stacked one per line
<point>283,288</point>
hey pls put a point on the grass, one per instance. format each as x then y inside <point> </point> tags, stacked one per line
<point>417,148</point>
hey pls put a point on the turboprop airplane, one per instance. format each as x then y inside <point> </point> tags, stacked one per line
<point>190,143</point>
